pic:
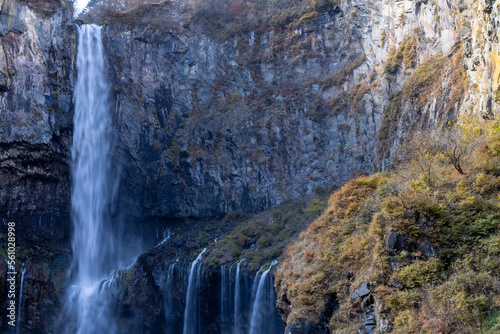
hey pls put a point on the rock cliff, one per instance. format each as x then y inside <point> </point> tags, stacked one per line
<point>208,125</point>
<point>36,91</point>
<point>210,120</point>
<point>37,53</point>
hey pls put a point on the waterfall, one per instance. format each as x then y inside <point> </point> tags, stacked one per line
<point>224,287</point>
<point>191,316</point>
<point>255,284</point>
<point>93,190</point>
<point>237,299</point>
<point>169,297</point>
<point>259,309</point>
<point>20,302</point>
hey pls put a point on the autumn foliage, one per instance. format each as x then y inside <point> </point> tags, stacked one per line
<point>443,277</point>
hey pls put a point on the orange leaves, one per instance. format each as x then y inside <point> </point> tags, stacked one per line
<point>307,256</point>
<point>318,262</point>
<point>345,202</point>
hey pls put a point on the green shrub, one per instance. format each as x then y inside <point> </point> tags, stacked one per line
<point>403,300</point>
<point>405,55</point>
<point>492,245</point>
<point>315,207</point>
<point>494,321</point>
<point>420,273</point>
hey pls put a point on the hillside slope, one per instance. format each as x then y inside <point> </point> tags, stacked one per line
<point>412,251</point>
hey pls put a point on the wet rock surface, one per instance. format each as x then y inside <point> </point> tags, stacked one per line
<point>43,249</point>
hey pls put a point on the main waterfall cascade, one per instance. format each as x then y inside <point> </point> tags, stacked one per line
<point>242,306</point>
<point>93,190</point>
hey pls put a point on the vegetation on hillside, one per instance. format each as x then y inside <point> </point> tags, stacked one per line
<point>226,19</point>
<point>425,238</point>
<point>263,237</point>
<point>423,88</point>
<point>222,19</point>
<point>405,56</point>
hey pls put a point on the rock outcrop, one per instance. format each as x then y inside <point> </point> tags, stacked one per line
<point>36,90</point>
<point>478,23</point>
<point>209,126</point>
<point>37,52</point>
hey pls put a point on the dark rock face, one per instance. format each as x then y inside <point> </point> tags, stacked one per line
<point>304,329</point>
<point>427,249</point>
<point>207,126</point>
<point>43,247</point>
<point>35,179</point>
<point>36,89</point>
<point>37,52</point>
<point>395,241</point>
<point>150,297</point>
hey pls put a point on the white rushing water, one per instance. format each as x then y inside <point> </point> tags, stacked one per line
<point>255,283</point>
<point>169,294</point>
<point>237,299</point>
<point>258,308</point>
<point>224,287</point>
<point>191,316</point>
<point>20,302</point>
<point>93,189</point>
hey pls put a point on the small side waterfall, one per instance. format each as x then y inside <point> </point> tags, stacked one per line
<point>169,296</point>
<point>237,293</point>
<point>20,302</point>
<point>224,300</point>
<point>255,283</point>
<point>191,316</point>
<point>260,312</point>
<point>247,303</point>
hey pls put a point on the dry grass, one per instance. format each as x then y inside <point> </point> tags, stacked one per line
<point>456,291</point>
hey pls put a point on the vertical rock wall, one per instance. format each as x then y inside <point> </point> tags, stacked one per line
<point>37,50</point>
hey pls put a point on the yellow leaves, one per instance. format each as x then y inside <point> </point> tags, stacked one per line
<point>407,322</point>
<point>425,200</point>
<point>309,17</point>
<point>376,229</point>
<point>420,184</point>
<point>462,188</point>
